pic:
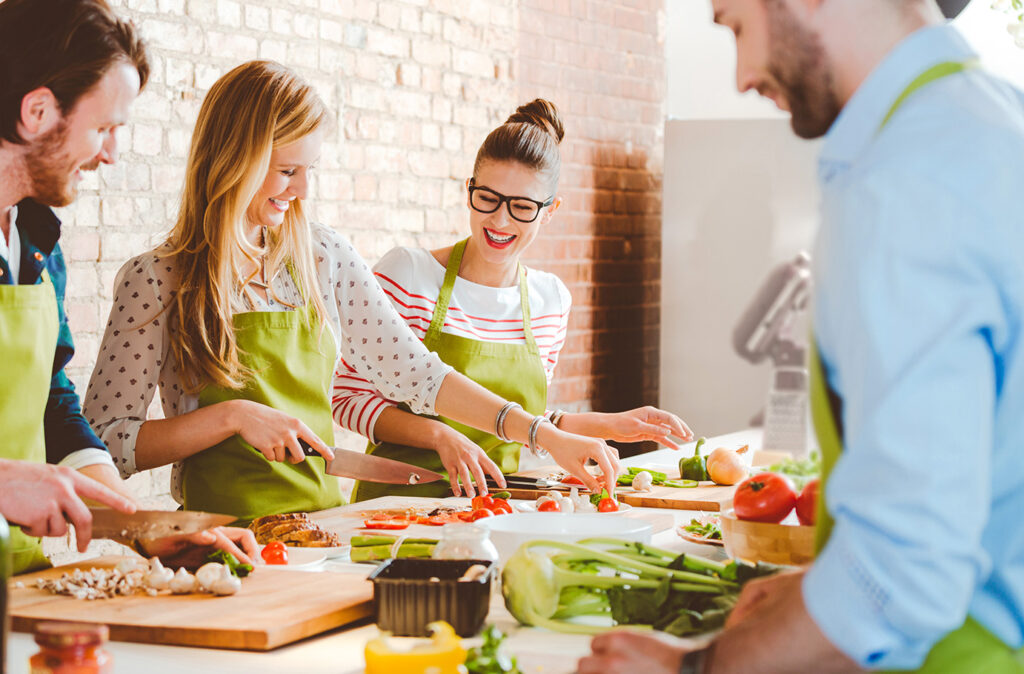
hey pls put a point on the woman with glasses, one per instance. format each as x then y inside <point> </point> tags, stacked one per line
<point>490,317</point>
<point>242,315</point>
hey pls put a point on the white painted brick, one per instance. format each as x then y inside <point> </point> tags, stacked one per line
<point>257,18</point>
<point>180,73</point>
<point>147,139</point>
<point>203,11</point>
<point>275,50</point>
<point>207,74</point>
<point>305,26</point>
<point>229,13</point>
<point>233,46</point>
<point>330,31</point>
<point>138,177</point>
<point>282,19</point>
<point>472,62</point>
<point>176,7</point>
<point>386,42</point>
<point>431,135</point>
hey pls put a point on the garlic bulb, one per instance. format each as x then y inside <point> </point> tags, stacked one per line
<point>207,575</point>
<point>158,578</point>
<point>183,582</point>
<point>643,481</point>
<point>226,582</point>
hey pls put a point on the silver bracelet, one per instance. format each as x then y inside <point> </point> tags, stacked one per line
<point>556,416</point>
<point>531,436</point>
<point>499,421</point>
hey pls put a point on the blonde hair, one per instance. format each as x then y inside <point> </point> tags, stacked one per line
<point>529,136</point>
<point>250,111</point>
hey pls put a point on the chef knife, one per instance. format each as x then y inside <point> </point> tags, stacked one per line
<point>152,524</point>
<point>373,468</point>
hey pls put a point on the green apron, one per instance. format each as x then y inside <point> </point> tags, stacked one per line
<point>513,371</point>
<point>971,647</point>
<point>292,359</point>
<point>28,343</point>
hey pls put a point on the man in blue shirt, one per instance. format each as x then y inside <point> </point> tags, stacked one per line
<point>919,321</point>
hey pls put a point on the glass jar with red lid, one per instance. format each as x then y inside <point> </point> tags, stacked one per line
<point>71,648</point>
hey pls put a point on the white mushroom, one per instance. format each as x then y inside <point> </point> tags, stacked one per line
<point>226,583</point>
<point>208,574</point>
<point>643,481</point>
<point>565,503</point>
<point>159,577</point>
<point>129,564</point>
<point>581,502</point>
<point>183,582</point>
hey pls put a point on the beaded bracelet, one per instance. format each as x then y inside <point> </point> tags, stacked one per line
<point>499,421</point>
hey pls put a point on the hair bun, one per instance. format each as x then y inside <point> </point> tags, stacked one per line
<point>541,113</point>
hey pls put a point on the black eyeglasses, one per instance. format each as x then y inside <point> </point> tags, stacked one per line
<point>523,209</point>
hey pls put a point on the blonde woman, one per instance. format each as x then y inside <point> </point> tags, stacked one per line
<point>241,315</point>
<point>486,314</point>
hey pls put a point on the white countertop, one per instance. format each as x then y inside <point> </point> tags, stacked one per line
<point>341,651</point>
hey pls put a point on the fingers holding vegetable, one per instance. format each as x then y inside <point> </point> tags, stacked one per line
<point>628,652</point>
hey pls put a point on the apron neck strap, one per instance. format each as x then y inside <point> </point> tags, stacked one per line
<point>936,72</point>
<point>445,295</point>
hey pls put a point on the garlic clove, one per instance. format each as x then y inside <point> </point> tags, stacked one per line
<point>183,582</point>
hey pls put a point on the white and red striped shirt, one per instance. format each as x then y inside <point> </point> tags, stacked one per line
<point>412,278</point>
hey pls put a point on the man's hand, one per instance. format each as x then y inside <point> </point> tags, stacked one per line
<point>191,551</point>
<point>761,591</point>
<point>42,499</point>
<point>629,652</point>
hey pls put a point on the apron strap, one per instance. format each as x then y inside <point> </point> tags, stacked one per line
<point>445,295</point>
<point>936,72</point>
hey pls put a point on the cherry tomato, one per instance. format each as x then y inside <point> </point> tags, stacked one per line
<point>765,497</point>
<point>501,507</point>
<point>607,505</point>
<point>549,507</point>
<point>275,545</point>
<point>806,502</point>
<point>482,501</point>
<point>275,555</point>
<point>481,513</point>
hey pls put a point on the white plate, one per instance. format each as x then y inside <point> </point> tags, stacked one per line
<point>531,507</point>
<point>302,558</point>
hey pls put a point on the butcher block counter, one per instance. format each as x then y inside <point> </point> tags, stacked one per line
<point>340,651</point>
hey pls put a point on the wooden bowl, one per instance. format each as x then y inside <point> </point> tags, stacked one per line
<point>767,542</point>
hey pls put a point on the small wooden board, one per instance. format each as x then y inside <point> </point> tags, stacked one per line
<point>274,607</point>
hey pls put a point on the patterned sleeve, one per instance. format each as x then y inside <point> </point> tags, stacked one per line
<point>375,342</point>
<point>128,366</point>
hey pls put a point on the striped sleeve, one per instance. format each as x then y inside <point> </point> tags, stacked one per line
<point>356,403</point>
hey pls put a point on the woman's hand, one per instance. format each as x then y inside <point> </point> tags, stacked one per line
<point>464,460</point>
<point>645,423</point>
<point>274,434</point>
<point>191,551</point>
<point>572,452</point>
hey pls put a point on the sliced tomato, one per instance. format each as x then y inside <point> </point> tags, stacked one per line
<point>572,479</point>
<point>386,524</point>
<point>275,555</point>
<point>479,514</point>
<point>501,507</point>
<point>482,501</point>
<point>549,506</point>
<point>466,517</point>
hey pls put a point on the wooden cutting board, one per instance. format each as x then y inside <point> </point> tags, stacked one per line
<point>707,496</point>
<point>273,608</point>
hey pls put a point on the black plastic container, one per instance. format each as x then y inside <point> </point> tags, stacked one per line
<point>406,600</point>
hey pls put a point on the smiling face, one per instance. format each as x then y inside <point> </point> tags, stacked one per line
<point>82,139</point>
<point>783,60</point>
<point>287,179</point>
<point>497,238</point>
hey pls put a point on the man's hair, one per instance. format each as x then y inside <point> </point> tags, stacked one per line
<point>64,45</point>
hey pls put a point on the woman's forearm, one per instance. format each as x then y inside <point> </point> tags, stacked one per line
<point>590,424</point>
<point>164,441</point>
<point>467,402</point>
<point>397,426</point>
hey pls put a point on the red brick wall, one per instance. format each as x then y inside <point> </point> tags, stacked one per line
<point>603,63</point>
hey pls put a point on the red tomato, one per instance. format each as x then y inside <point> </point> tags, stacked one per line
<point>549,507</point>
<point>572,479</point>
<point>607,505</point>
<point>482,501</point>
<point>275,545</point>
<point>807,502</point>
<point>481,513</point>
<point>275,555</point>
<point>765,497</point>
<point>500,507</point>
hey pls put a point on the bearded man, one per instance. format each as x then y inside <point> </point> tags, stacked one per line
<point>918,370</point>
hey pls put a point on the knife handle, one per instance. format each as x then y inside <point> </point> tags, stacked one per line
<point>307,449</point>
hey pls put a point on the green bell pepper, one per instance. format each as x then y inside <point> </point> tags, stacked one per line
<point>694,467</point>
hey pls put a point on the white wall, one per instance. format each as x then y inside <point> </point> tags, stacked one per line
<point>740,196</point>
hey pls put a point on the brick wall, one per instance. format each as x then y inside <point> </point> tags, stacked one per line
<point>416,85</point>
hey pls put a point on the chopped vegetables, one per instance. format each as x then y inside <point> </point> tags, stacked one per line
<point>546,583</point>
<point>227,559</point>
<point>658,479</point>
<point>490,658</point>
<point>710,530</point>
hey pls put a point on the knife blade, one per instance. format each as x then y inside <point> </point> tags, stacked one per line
<point>373,468</point>
<point>152,524</point>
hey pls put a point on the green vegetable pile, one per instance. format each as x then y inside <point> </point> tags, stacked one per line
<point>380,547</point>
<point>711,530</point>
<point>800,471</point>
<point>490,658</point>
<point>547,583</point>
<point>227,559</point>
<point>657,478</point>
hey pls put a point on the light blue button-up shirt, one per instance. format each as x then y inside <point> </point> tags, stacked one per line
<point>920,303</point>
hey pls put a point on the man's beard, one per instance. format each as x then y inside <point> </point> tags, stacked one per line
<point>50,170</point>
<point>799,65</point>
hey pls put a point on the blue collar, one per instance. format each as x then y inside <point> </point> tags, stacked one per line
<point>860,118</point>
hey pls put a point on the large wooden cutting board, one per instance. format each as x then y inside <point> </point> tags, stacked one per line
<point>273,608</point>
<point>708,496</point>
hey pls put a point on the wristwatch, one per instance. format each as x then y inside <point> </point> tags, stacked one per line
<point>694,661</point>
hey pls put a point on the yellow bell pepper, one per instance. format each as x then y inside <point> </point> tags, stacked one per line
<point>443,655</point>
